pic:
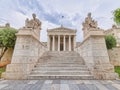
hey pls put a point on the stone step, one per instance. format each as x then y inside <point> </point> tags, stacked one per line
<point>61,62</point>
<point>61,72</point>
<point>51,60</point>
<point>60,59</point>
<point>60,65</point>
<point>65,77</point>
<point>67,53</point>
<point>64,61</point>
<point>60,55</point>
<point>47,70</point>
<point>65,56</point>
<point>60,68</point>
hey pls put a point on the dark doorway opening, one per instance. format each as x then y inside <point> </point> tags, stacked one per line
<point>61,47</point>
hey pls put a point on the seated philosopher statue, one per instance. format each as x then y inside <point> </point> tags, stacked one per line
<point>33,23</point>
<point>89,23</point>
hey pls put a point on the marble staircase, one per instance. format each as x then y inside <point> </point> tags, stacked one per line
<point>60,65</point>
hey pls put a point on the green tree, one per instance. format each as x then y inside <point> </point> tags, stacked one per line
<point>110,41</point>
<point>7,39</point>
<point>116,14</point>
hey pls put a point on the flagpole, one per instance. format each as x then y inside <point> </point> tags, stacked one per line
<point>62,21</point>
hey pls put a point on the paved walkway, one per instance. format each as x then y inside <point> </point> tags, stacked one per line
<point>59,85</point>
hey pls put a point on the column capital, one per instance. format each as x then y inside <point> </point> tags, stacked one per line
<point>69,35</point>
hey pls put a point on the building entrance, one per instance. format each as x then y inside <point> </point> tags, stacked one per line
<point>61,47</point>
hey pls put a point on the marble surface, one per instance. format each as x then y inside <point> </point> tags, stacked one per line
<point>59,84</point>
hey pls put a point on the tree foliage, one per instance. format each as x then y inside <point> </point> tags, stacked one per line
<point>7,39</point>
<point>116,14</point>
<point>110,41</point>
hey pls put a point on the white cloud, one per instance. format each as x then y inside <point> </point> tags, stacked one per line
<point>46,25</point>
<point>50,12</point>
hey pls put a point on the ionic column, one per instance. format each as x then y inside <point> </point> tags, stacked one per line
<point>64,43</point>
<point>58,42</point>
<point>53,43</point>
<point>69,42</point>
<point>48,44</point>
<point>74,42</point>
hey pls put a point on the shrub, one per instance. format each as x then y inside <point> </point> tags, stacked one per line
<point>110,41</point>
<point>2,69</point>
<point>7,39</point>
<point>117,69</point>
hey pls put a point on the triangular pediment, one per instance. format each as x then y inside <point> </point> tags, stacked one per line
<point>61,29</point>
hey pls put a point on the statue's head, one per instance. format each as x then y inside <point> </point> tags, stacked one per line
<point>89,14</point>
<point>34,15</point>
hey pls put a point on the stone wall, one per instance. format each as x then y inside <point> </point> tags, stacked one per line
<point>114,55</point>
<point>28,50</point>
<point>85,50</point>
<point>94,52</point>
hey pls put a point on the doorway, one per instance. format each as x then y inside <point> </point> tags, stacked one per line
<point>61,47</point>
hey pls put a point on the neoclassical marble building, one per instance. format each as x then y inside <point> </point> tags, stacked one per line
<point>61,39</point>
<point>61,58</point>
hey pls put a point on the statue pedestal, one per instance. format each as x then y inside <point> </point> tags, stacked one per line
<point>29,32</point>
<point>102,69</point>
<point>93,32</point>
<point>27,51</point>
<point>94,52</point>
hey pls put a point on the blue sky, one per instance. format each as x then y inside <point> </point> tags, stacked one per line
<point>50,11</point>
